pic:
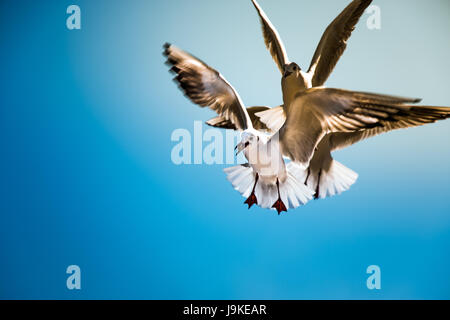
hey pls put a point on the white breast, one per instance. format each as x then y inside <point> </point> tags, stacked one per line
<point>267,161</point>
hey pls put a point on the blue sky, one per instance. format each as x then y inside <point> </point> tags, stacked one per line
<point>86,118</point>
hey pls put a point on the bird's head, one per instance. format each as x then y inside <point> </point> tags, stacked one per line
<point>294,80</point>
<point>248,138</point>
<point>291,70</point>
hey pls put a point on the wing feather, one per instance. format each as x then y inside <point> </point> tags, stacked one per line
<point>221,122</point>
<point>350,116</point>
<point>334,41</point>
<point>206,87</point>
<point>272,39</point>
<point>408,117</point>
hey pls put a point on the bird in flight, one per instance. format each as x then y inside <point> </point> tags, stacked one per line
<point>325,175</point>
<point>265,180</point>
<point>312,122</point>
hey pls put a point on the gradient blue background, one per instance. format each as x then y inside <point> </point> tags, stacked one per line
<point>86,176</point>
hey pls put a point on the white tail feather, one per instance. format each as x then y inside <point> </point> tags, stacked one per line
<point>273,118</point>
<point>242,178</point>
<point>293,192</point>
<point>337,179</point>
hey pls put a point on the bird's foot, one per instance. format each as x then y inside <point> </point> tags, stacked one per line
<point>251,200</point>
<point>279,205</point>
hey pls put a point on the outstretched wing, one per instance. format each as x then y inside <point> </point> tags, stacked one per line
<point>221,122</point>
<point>206,87</point>
<point>334,41</point>
<point>319,111</point>
<point>414,116</point>
<point>272,39</point>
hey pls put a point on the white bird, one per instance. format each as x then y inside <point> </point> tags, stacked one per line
<point>266,180</point>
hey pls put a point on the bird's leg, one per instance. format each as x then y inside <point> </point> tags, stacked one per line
<point>279,205</point>
<point>316,196</point>
<point>307,176</point>
<point>251,200</point>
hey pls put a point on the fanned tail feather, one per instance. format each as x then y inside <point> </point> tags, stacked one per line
<point>242,178</point>
<point>293,192</point>
<point>327,183</point>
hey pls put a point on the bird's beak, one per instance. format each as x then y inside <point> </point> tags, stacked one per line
<point>240,146</point>
<point>286,72</point>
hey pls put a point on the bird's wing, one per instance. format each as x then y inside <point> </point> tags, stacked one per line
<point>206,87</point>
<point>221,122</point>
<point>334,41</point>
<point>319,111</point>
<point>272,39</point>
<point>272,118</point>
<point>408,116</point>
